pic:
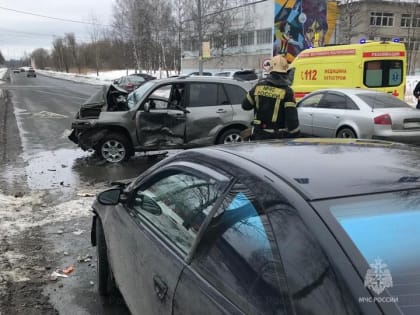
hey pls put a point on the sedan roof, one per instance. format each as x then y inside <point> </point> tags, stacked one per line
<point>349,91</point>
<point>327,168</point>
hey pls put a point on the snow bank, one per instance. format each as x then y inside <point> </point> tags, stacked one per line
<point>21,213</point>
<point>103,77</point>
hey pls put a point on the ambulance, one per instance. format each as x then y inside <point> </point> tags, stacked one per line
<point>380,66</point>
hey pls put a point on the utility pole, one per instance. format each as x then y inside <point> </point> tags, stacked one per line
<point>200,39</point>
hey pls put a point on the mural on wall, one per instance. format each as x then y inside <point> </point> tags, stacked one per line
<point>300,24</point>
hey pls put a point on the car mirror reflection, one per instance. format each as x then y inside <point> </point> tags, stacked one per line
<point>150,205</point>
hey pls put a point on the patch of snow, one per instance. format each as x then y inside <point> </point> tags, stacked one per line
<point>29,211</point>
<point>45,114</point>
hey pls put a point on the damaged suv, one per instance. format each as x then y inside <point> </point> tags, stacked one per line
<point>174,113</point>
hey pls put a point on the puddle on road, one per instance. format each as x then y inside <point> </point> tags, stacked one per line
<point>70,170</point>
<point>51,169</point>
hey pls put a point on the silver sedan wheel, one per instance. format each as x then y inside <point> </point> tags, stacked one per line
<point>233,138</point>
<point>346,133</point>
<point>113,151</point>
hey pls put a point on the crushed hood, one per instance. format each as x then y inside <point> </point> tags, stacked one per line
<point>108,97</point>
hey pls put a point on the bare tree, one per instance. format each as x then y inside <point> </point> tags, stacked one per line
<point>351,16</point>
<point>2,60</point>
<point>95,36</point>
<point>41,58</point>
<point>180,16</point>
<point>218,21</point>
<point>58,54</point>
<point>70,41</point>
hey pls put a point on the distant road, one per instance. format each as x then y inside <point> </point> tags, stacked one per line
<point>45,97</point>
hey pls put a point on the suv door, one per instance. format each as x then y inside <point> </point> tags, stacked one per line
<point>163,124</point>
<point>209,110</point>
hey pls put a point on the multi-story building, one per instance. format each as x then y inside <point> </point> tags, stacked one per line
<point>249,40</point>
<point>382,20</point>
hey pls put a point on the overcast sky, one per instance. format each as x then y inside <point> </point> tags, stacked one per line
<point>20,32</point>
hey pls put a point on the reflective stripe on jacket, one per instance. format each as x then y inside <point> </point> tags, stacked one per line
<point>274,107</point>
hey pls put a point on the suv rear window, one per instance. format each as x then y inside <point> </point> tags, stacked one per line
<point>206,94</point>
<point>235,93</point>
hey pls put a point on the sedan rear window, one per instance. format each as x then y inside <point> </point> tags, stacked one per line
<point>385,230</point>
<point>379,100</point>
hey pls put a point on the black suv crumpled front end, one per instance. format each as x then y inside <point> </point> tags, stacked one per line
<point>84,128</point>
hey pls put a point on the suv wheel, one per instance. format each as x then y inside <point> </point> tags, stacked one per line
<point>230,136</point>
<point>115,148</point>
<point>106,284</point>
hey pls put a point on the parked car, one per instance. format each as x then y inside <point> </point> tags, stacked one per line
<point>162,114</point>
<point>197,73</point>
<point>145,76</point>
<point>304,226</point>
<point>358,113</point>
<point>31,73</point>
<point>16,70</point>
<point>130,82</point>
<point>242,75</point>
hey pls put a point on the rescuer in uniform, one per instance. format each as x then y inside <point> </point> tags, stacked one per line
<point>273,102</point>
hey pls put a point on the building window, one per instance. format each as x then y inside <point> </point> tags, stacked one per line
<point>406,20</point>
<point>381,19</point>
<point>264,36</point>
<point>216,42</point>
<point>190,45</point>
<point>410,20</point>
<point>247,39</point>
<point>232,40</point>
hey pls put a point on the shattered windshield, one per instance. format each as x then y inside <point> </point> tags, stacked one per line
<point>135,96</point>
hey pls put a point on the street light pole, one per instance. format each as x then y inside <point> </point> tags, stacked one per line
<point>200,39</point>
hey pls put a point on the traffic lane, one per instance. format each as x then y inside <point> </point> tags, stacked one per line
<point>81,90</point>
<point>45,109</point>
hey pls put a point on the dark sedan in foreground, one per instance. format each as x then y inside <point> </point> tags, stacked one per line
<point>307,226</point>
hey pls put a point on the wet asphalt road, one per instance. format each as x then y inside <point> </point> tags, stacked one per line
<point>38,157</point>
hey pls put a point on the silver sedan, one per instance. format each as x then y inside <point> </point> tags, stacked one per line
<point>358,113</point>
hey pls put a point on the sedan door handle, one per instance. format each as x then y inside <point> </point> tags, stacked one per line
<point>160,287</point>
<point>221,110</point>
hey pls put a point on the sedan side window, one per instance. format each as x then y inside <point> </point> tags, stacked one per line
<point>239,257</point>
<point>333,101</point>
<point>176,204</point>
<point>311,101</point>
